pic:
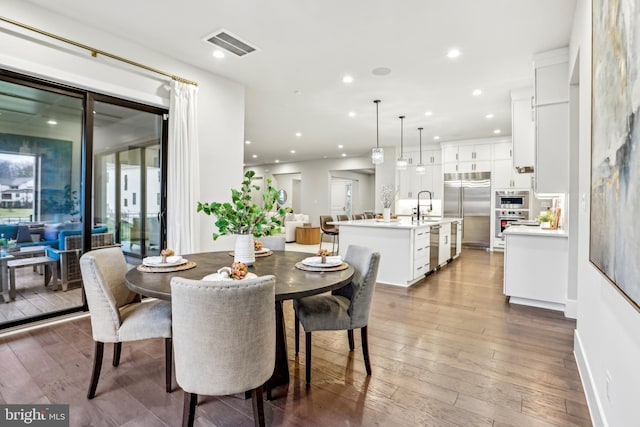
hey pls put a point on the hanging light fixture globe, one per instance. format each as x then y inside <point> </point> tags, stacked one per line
<point>377,153</point>
<point>401,163</point>
<point>420,169</point>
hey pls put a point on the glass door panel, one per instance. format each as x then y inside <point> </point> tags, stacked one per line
<point>41,148</point>
<point>128,175</point>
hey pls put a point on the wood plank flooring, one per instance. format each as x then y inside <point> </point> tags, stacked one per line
<point>449,351</point>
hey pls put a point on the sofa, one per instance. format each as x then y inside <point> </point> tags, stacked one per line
<point>21,234</point>
<point>291,222</point>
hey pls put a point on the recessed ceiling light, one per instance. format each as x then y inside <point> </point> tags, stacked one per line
<point>453,53</point>
<point>218,54</point>
<point>340,146</point>
<point>476,92</point>
<point>298,134</point>
<point>277,161</point>
<point>293,151</point>
<point>52,122</point>
<point>497,131</point>
<point>347,79</point>
<point>255,156</point>
<point>381,71</point>
<point>352,114</point>
<point>344,154</point>
<point>436,137</point>
<point>489,116</point>
<point>247,142</point>
<point>428,113</point>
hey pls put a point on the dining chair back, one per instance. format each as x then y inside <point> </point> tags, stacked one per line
<point>224,336</point>
<point>275,243</point>
<point>116,313</point>
<point>346,308</point>
<point>329,230</point>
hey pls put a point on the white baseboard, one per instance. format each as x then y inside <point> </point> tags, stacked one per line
<point>537,303</point>
<point>571,309</point>
<point>593,402</point>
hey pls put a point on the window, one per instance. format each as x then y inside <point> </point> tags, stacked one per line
<point>126,183</point>
<point>126,202</point>
<point>133,199</point>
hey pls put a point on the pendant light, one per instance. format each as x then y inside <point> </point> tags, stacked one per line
<point>377,154</point>
<point>401,164</point>
<point>420,169</point>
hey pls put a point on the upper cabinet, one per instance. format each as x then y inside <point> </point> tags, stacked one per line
<point>523,129</point>
<point>551,121</point>
<point>410,183</point>
<point>503,174</point>
<point>465,157</point>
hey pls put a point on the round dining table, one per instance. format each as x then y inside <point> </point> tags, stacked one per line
<point>291,283</point>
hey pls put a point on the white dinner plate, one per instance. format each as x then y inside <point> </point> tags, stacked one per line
<point>263,251</point>
<point>316,261</point>
<point>216,277</point>
<point>156,261</point>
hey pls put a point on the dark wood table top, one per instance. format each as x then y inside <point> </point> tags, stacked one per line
<point>291,282</point>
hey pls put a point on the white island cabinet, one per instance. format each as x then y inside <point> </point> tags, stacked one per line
<point>536,267</point>
<point>404,247</point>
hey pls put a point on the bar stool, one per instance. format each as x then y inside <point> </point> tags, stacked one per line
<point>330,230</point>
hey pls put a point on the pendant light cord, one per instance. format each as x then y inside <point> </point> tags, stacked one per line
<point>377,101</point>
<point>420,129</point>
<point>401,136</point>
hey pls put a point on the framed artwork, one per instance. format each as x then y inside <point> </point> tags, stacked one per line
<point>614,247</point>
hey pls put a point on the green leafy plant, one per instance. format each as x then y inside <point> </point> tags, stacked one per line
<point>242,215</point>
<point>547,217</point>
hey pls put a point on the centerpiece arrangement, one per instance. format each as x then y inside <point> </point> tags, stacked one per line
<point>387,198</point>
<point>245,218</point>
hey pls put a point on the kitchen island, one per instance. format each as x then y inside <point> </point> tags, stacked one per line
<point>404,246</point>
<point>536,267</point>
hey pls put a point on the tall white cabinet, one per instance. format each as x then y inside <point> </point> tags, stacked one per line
<point>410,183</point>
<point>552,121</point>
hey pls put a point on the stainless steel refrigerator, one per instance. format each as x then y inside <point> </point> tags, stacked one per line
<point>468,196</point>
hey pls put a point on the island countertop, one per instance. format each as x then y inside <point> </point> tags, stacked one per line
<point>523,230</point>
<point>402,223</point>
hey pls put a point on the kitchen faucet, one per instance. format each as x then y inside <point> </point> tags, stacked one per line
<point>430,203</point>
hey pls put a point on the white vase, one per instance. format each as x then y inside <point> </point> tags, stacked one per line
<point>386,214</point>
<point>244,251</point>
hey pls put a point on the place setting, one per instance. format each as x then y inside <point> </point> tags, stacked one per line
<point>322,262</point>
<point>167,262</point>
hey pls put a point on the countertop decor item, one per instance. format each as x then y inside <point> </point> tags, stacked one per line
<point>245,218</point>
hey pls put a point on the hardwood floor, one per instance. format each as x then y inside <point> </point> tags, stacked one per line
<point>450,351</point>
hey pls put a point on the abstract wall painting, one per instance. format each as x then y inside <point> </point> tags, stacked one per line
<point>615,146</point>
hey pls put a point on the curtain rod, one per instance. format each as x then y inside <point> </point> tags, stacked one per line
<point>95,52</point>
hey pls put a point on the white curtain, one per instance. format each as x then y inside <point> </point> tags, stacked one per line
<point>183,172</point>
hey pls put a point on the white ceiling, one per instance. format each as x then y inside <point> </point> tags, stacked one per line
<point>294,80</point>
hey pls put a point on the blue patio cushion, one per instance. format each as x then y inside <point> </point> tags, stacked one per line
<point>64,233</point>
<point>8,231</point>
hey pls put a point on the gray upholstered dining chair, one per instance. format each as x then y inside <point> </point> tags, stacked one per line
<point>275,243</point>
<point>117,315</point>
<point>224,337</point>
<point>346,308</point>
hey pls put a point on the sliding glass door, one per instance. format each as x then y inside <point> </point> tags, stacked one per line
<point>41,151</point>
<point>78,170</point>
<point>128,177</point>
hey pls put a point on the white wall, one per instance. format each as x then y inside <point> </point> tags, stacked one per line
<point>220,101</point>
<point>607,338</point>
<point>315,180</point>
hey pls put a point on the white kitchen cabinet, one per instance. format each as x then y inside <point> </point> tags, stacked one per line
<point>474,152</point>
<point>450,153</point>
<point>552,148</point>
<point>502,150</point>
<point>421,248</point>
<point>535,267</point>
<point>523,129</point>
<point>505,176</point>
<point>552,122</point>
<point>410,183</point>
<point>444,247</point>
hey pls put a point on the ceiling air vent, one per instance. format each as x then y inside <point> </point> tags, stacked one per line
<point>230,42</point>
